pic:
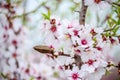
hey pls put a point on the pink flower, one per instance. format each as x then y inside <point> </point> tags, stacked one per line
<point>53,29</point>
<point>85,40</point>
<point>74,74</point>
<point>98,4</point>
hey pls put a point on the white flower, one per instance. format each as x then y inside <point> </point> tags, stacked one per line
<point>45,70</point>
<point>85,39</point>
<point>92,60</point>
<point>97,4</point>
<point>97,75</point>
<point>98,8</point>
<point>62,60</point>
<point>74,74</point>
<point>77,1</point>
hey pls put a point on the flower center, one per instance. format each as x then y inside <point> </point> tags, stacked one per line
<point>97,1</point>
<point>75,76</point>
<point>93,32</point>
<point>112,40</point>
<point>90,62</point>
<point>51,46</point>
<point>14,55</point>
<point>75,32</point>
<point>53,29</point>
<point>52,21</point>
<point>83,42</point>
<point>4,36</point>
<point>27,71</point>
<point>14,42</point>
<point>99,48</point>
<point>77,51</point>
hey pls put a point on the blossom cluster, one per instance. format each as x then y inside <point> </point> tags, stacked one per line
<point>80,51</point>
<point>77,52</point>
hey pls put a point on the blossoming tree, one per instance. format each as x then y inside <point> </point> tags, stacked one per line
<point>81,50</point>
<point>70,50</point>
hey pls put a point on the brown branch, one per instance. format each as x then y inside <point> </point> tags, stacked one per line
<point>46,49</point>
<point>33,11</point>
<point>82,13</point>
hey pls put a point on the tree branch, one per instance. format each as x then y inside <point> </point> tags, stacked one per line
<point>116,4</point>
<point>33,11</point>
<point>82,13</point>
<point>113,3</point>
<point>110,29</point>
<point>46,49</point>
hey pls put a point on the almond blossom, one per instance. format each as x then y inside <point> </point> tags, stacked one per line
<point>73,51</point>
<point>87,43</point>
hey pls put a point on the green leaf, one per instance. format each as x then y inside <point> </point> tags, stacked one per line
<point>55,74</point>
<point>107,34</point>
<point>118,21</point>
<point>72,8</point>
<point>46,16</point>
<point>94,39</point>
<point>3,75</point>
<point>8,1</point>
<point>115,30</point>
<point>113,20</point>
<point>32,78</point>
<point>107,72</point>
<point>109,23</point>
<point>49,14</point>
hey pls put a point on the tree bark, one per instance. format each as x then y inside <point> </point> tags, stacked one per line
<point>82,13</point>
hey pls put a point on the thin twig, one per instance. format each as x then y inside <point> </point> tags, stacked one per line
<point>113,3</point>
<point>46,49</point>
<point>116,4</point>
<point>110,29</point>
<point>25,14</point>
<point>117,36</point>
